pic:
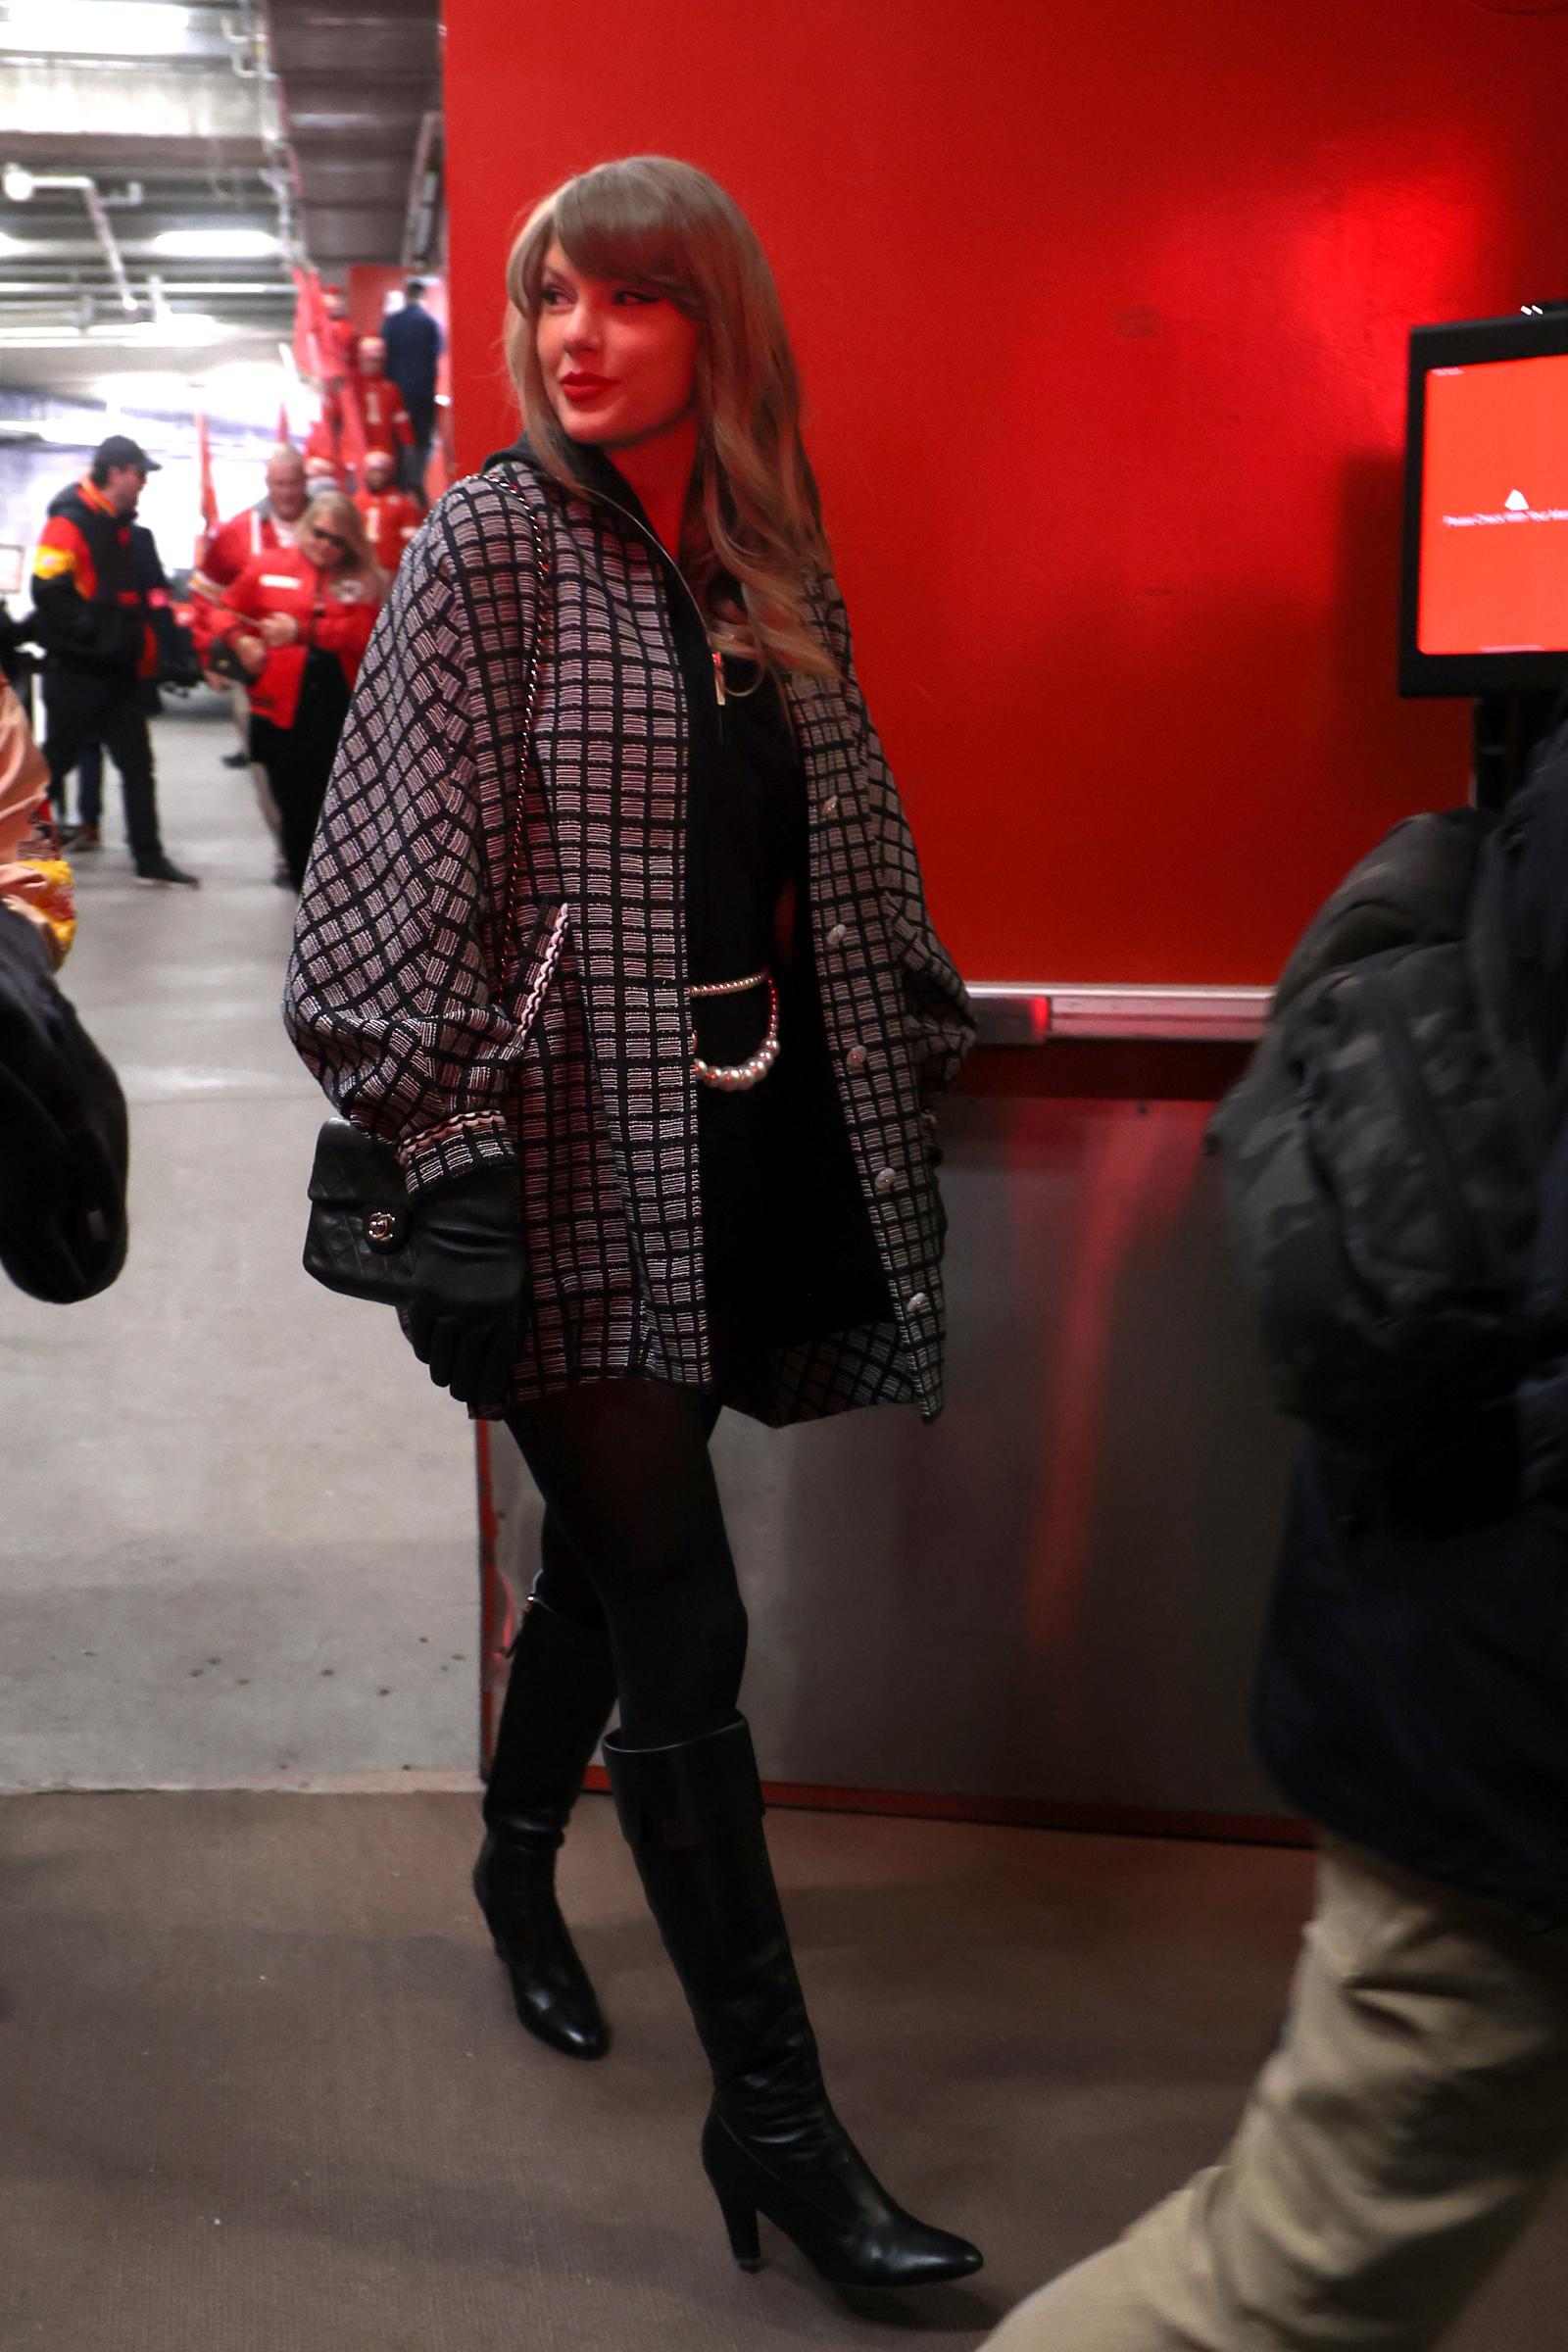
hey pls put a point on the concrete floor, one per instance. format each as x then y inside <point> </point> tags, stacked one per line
<point>264,2093</point>
<point>239,1541</point>
<point>262,2082</point>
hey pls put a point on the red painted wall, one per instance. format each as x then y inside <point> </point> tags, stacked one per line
<point>1103,314</point>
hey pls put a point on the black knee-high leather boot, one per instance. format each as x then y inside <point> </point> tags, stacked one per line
<point>560,1698</point>
<point>693,1817</point>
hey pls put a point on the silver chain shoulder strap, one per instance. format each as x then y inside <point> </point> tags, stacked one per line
<point>504,948</point>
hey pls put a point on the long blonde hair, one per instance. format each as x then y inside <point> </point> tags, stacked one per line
<point>338,512</point>
<point>753,511</point>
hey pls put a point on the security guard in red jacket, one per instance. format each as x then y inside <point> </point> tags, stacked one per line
<point>246,536</point>
<point>391,516</point>
<point>386,420</point>
<point>95,629</point>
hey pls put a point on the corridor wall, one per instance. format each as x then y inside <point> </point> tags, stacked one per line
<point>1103,317</point>
<point>1102,314</point>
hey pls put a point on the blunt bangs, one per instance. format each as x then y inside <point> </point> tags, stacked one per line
<point>613,224</point>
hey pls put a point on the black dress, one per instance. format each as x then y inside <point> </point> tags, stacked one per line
<point>789,1252</point>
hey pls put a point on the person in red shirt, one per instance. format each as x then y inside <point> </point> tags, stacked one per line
<point>298,619</point>
<point>387,424</point>
<point>273,522</point>
<point>339,343</point>
<point>324,464</point>
<point>391,516</point>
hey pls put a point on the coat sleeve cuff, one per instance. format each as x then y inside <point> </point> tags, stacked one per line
<point>433,1156</point>
<point>1542,1407</point>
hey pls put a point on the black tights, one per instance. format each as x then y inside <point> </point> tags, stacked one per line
<point>634,1543</point>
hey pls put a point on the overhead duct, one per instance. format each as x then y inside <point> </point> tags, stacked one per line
<point>22,186</point>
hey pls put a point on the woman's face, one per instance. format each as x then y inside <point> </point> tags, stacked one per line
<point>321,545</point>
<point>618,361</point>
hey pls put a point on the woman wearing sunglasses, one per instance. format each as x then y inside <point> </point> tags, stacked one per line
<point>298,620</point>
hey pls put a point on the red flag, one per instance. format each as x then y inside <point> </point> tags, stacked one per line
<point>209,495</point>
<point>437,475</point>
<point>310,326</point>
<point>282,421</point>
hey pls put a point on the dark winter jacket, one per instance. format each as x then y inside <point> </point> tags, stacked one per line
<point>90,607</point>
<point>412,342</point>
<point>580,1074</point>
<point>1413,1694</point>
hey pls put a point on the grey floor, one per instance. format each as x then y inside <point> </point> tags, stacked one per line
<point>239,1541</point>
<point>263,2091</point>
<point>260,2083</point>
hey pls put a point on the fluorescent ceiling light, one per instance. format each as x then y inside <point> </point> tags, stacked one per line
<point>144,387</point>
<point>175,330</point>
<point>95,29</point>
<point>215,244</point>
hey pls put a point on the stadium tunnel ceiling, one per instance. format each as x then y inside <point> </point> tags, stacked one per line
<point>205,149</point>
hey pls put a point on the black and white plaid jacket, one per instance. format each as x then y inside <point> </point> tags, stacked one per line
<point>578,1071</point>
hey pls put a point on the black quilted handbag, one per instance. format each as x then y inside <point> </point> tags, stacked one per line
<point>357,1239</point>
<point>362,1237</point>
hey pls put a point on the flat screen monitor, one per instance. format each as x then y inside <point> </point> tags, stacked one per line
<point>1485,602</point>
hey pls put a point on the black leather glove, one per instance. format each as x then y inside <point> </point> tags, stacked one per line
<point>469,1284</point>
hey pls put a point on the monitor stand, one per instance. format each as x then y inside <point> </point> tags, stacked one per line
<point>1505,731</point>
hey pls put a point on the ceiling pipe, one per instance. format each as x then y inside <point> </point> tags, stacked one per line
<point>251,57</point>
<point>271,289</point>
<point>22,185</point>
<point>424,192</point>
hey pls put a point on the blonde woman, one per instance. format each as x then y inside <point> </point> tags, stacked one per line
<point>670,1144</point>
<point>298,620</point>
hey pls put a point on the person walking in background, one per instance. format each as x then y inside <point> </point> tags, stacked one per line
<point>681,1155</point>
<point>273,521</point>
<point>414,345</point>
<point>1414,1702</point>
<point>323,466</point>
<point>93,620</point>
<point>382,411</point>
<point>391,516</point>
<point>176,665</point>
<point>298,620</point>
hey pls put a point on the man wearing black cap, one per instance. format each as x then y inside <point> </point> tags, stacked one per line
<point>96,631</point>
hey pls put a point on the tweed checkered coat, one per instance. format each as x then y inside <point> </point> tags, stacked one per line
<point>578,1067</point>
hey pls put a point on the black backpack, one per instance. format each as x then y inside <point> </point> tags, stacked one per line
<point>1382,1150</point>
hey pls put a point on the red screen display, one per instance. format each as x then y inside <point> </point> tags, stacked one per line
<point>1494,508</point>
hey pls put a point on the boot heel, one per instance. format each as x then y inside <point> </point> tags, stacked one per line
<point>740,2221</point>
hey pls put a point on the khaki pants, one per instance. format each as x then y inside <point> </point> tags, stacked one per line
<point>1391,2151</point>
